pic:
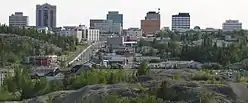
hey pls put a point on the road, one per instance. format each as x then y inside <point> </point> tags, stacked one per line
<point>240,90</point>
<point>85,55</point>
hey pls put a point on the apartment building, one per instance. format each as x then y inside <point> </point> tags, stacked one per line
<point>18,20</point>
<point>232,25</point>
<point>181,21</point>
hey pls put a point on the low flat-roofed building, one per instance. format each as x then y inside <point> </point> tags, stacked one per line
<point>146,58</point>
<point>44,60</point>
<point>4,73</point>
<point>119,59</point>
<point>115,41</point>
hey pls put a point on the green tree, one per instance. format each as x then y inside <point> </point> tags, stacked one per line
<point>143,69</point>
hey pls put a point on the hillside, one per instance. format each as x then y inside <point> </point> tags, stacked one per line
<point>14,48</point>
<point>16,43</point>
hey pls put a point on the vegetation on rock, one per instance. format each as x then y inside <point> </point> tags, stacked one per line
<point>22,84</point>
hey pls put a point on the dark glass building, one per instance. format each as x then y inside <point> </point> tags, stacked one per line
<point>115,16</point>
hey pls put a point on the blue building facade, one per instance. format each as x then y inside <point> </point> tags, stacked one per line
<point>115,16</point>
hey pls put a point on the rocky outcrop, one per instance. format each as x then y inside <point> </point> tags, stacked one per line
<point>91,92</point>
<point>182,90</point>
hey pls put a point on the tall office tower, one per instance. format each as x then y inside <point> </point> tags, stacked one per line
<point>151,24</point>
<point>181,21</point>
<point>231,25</point>
<point>116,17</point>
<point>18,20</point>
<point>46,15</point>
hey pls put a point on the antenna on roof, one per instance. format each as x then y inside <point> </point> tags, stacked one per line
<point>158,10</point>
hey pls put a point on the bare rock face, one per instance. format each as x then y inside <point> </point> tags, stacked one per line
<point>48,97</point>
<point>95,93</point>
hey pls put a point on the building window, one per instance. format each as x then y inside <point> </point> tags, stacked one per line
<point>39,17</point>
<point>51,19</point>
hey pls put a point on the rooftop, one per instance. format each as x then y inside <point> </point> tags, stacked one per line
<point>181,15</point>
<point>152,12</point>
<point>44,56</point>
<point>113,12</point>
<point>17,14</point>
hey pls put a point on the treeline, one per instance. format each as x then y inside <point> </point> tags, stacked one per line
<point>207,51</point>
<point>66,43</point>
<point>21,86</point>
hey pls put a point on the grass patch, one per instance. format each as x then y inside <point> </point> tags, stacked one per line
<point>205,76</point>
<point>216,85</point>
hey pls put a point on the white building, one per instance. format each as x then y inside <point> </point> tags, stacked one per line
<point>90,35</point>
<point>18,19</point>
<point>81,32</point>
<point>44,30</point>
<point>231,25</point>
<point>133,34</point>
<point>67,30</point>
<point>180,21</point>
<point>108,26</point>
<point>71,31</point>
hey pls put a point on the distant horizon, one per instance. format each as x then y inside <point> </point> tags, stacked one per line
<point>204,13</point>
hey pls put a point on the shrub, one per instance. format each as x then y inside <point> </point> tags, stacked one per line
<point>205,76</point>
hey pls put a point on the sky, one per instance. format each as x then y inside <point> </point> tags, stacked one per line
<point>204,13</point>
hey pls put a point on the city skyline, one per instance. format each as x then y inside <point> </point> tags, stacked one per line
<point>204,13</point>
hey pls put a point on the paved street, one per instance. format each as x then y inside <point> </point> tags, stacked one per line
<point>85,55</point>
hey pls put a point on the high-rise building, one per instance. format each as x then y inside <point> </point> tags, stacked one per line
<point>93,21</point>
<point>18,19</point>
<point>151,24</point>
<point>231,25</point>
<point>181,21</point>
<point>152,15</point>
<point>116,17</point>
<point>46,15</point>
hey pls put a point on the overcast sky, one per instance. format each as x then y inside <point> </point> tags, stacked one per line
<point>205,13</point>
